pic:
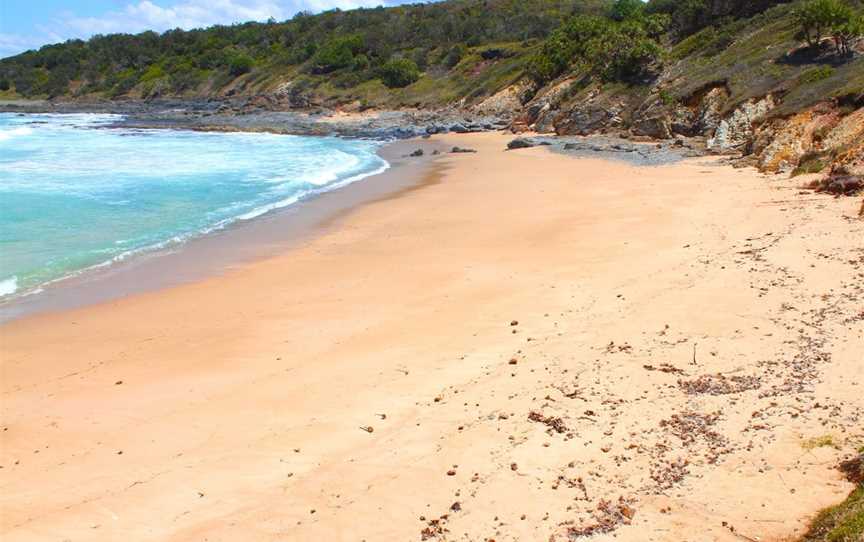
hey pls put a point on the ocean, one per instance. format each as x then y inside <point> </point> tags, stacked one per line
<point>76,194</point>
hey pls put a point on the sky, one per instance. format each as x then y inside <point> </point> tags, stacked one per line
<point>29,24</point>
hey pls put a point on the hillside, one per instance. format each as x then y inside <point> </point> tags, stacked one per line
<point>769,79</point>
<point>336,55</point>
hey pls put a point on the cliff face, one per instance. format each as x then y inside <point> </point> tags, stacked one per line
<point>780,105</point>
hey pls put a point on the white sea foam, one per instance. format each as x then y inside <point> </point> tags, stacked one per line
<point>6,135</point>
<point>79,179</point>
<point>8,286</point>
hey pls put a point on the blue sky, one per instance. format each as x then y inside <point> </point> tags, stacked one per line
<point>29,24</point>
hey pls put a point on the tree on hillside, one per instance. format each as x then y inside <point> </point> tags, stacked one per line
<point>846,32</point>
<point>822,18</point>
<point>604,47</point>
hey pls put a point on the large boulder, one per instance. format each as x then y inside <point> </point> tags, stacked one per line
<point>584,120</point>
<point>525,143</point>
<point>657,126</point>
<point>683,121</point>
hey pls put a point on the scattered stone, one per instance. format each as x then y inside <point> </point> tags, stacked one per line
<point>461,150</point>
<point>719,384</point>
<point>556,424</point>
<point>664,368</point>
<point>607,518</point>
<point>417,153</point>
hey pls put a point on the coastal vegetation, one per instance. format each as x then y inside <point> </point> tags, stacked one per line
<point>435,54</point>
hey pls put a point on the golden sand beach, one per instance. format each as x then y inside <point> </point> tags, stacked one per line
<point>525,346</point>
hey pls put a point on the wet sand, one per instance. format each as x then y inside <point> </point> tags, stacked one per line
<point>527,346</point>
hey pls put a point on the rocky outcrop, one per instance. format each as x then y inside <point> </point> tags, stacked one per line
<point>658,126</point>
<point>780,145</point>
<point>736,131</point>
<point>710,110</point>
<point>504,102</point>
<point>540,112</point>
<point>584,120</point>
<point>848,130</point>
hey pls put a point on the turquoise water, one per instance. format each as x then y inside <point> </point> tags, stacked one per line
<point>75,194</point>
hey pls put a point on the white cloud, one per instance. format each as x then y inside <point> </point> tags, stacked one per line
<point>11,44</point>
<point>161,15</point>
<point>148,15</point>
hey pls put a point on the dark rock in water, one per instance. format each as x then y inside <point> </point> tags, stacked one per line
<point>416,154</point>
<point>458,150</point>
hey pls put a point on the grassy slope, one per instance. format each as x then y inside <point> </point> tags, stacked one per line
<point>473,78</point>
<point>841,523</point>
<point>757,62</point>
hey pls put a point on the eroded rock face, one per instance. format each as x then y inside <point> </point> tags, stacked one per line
<point>504,102</point>
<point>540,113</point>
<point>658,126</point>
<point>584,120</point>
<point>710,111</point>
<point>792,138</point>
<point>735,131</point>
<point>848,131</point>
<point>850,161</point>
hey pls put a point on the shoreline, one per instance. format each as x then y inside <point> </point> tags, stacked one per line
<point>217,251</point>
<point>547,347</point>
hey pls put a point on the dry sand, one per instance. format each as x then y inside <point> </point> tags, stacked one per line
<point>678,335</point>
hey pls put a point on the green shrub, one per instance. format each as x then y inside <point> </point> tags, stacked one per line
<point>153,73</point>
<point>361,62</point>
<point>240,64</point>
<point>454,55</point>
<point>816,74</point>
<point>610,50</point>
<point>566,46</point>
<point>399,72</point>
<point>5,84</point>
<point>338,53</point>
<point>622,10</point>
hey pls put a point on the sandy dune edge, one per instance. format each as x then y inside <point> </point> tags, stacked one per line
<point>542,346</point>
